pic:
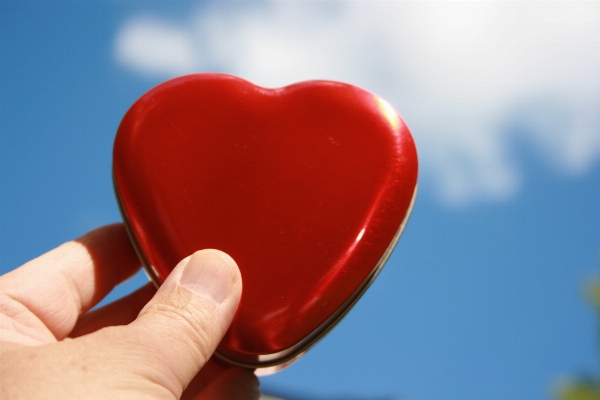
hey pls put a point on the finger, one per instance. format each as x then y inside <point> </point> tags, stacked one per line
<point>59,286</point>
<point>120,312</point>
<point>233,384</point>
<point>179,329</point>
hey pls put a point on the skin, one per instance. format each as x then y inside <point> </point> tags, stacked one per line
<point>148,345</point>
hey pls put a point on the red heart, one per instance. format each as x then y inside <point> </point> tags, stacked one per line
<point>307,187</point>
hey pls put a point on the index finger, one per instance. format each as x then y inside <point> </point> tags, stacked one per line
<point>59,286</point>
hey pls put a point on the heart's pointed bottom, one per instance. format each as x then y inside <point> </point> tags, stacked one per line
<point>268,364</point>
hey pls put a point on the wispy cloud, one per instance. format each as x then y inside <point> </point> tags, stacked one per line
<point>471,78</point>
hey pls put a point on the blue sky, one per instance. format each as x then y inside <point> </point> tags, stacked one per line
<point>482,297</point>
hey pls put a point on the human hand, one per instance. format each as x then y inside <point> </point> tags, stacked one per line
<point>51,347</point>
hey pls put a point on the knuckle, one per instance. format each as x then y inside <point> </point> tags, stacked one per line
<point>188,321</point>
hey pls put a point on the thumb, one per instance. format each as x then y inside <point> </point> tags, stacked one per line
<point>186,319</point>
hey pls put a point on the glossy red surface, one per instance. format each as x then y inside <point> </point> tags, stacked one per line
<point>304,186</point>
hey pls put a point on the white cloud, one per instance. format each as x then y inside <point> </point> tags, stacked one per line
<point>470,78</point>
<point>152,46</point>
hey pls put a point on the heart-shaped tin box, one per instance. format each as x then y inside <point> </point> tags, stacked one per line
<point>308,187</point>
